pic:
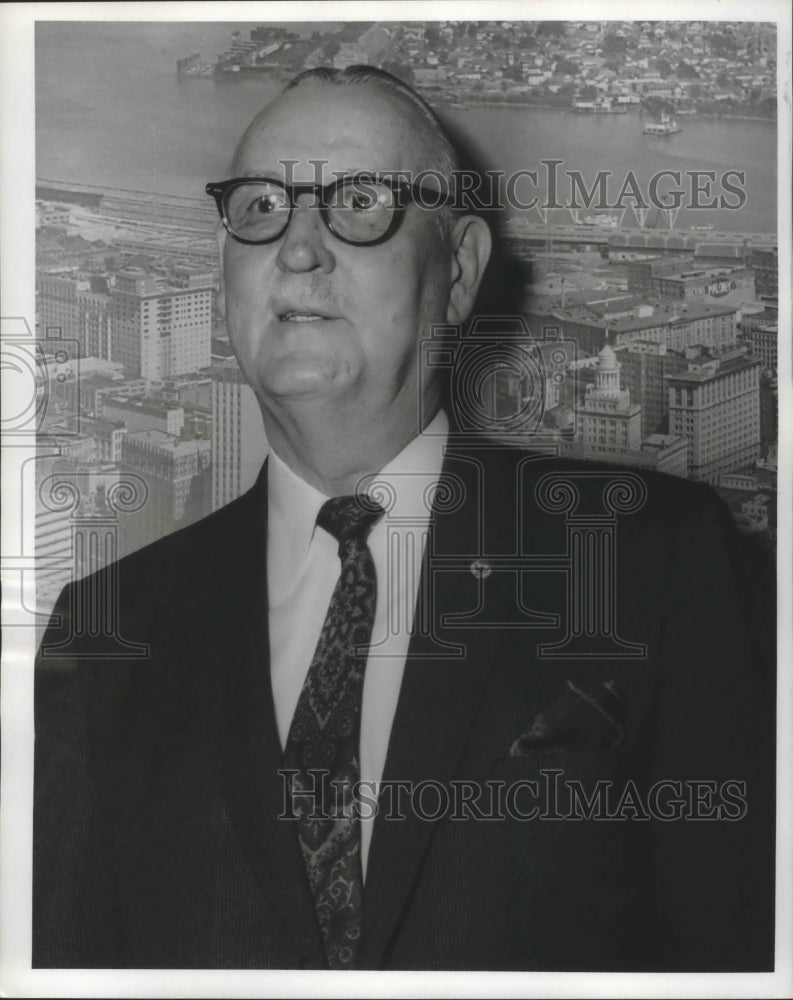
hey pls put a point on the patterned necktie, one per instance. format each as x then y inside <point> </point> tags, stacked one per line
<point>322,749</point>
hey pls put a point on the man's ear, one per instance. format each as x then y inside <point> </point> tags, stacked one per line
<point>220,298</point>
<point>471,246</point>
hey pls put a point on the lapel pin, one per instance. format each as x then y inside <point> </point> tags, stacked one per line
<point>481,569</point>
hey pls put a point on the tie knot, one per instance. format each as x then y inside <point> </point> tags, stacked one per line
<point>349,517</point>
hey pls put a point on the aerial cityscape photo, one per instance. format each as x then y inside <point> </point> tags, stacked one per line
<point>635,298</point>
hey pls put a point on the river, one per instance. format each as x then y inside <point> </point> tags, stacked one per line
<point>110,110</point>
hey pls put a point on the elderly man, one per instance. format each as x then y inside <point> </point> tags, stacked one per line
<point>391,715</point>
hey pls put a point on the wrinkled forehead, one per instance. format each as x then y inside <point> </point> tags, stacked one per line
<point>317,131</point>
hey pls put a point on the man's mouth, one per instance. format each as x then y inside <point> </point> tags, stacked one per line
<point>295,316</point>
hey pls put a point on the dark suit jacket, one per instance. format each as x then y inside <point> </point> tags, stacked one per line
<point>157,842</point>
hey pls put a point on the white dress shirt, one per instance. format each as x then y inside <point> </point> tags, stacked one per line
<point>302,569</point>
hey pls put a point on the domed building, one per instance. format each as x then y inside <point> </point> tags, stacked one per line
<point>607,421</point>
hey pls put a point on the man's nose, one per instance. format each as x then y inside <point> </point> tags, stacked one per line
<point>304,244</point>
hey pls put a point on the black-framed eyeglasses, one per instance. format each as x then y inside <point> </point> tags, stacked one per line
<point>361,209</point>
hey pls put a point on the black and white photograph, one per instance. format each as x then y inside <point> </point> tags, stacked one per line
<point>396,489</point>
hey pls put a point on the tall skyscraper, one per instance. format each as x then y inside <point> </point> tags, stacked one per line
<point>176,474</point>
<point>77,305</point>
<point>645,366</point>
<point>70,498</point>
<point>239,445</point>
<point>763,341</point>
<point>162,327</point>
<point>715,405</point>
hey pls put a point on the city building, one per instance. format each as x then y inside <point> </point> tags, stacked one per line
<point>609,426</point>
<point>645,366</point>
<point>658,452</point>
<point>108,435</point>
<point>715,405</point>
<point>95,388</point>
<point>756,509</point>
<point>678,325</point>
<point>74,446</point>
<point>189,390</point>
<point>729,252</point>
<point>96,334</point>
<point>76,305</point>
<point>727,285</point>
<point>763,341</point>
<point>757,480</point>
<point>66,379</point>
<point>642,274</point>
<point>54,550</point>
<point>759,313</point>
<point>349,54</point>
<point>769,414</point>
<point>70,499</point>
<point>162,327</point>
<point>662,452</point>
<point>765,261</point>
<point>239,445</point>
<point>607,423</point>
<point>176,474</point>
<point>752,499</point>
<point>144,414</point>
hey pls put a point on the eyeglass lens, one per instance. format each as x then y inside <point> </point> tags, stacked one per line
<point>361,210</point>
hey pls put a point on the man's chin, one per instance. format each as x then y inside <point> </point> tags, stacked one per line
<point>305,380</point>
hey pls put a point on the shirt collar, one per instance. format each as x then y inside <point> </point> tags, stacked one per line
<point>294,504</point>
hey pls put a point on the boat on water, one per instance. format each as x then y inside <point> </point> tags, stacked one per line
<point>703,229</point>
<point>666,125</point>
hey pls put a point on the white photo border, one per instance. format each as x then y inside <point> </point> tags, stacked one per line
<point>17,225</point>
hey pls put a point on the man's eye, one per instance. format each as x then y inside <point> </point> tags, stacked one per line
<point>362,200</point>
<point>264,205</point>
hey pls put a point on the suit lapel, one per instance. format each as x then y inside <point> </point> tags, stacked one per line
<point>249,736</point>
<point>440,695</point>
<point>444,681</point>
